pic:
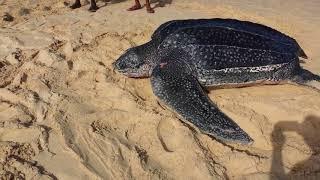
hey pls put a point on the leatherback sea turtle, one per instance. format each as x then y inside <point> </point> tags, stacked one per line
<point>185,55</point>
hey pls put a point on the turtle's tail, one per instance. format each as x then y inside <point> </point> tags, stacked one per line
<point>302,54</point>
<point>307,78</point>
<point>300,51</point>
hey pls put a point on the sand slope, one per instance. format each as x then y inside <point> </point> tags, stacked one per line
<point>64,114</point>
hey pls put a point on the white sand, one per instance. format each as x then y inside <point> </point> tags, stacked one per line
<point>64,114</point>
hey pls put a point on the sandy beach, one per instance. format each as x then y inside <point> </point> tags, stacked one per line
<point>65,114</point>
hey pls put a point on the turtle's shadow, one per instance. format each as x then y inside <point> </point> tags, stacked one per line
<point>309,129</point>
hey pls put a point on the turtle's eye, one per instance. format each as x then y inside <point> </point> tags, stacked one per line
<point>120,65</point>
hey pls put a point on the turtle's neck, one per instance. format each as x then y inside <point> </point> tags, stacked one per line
<point>148,52</point>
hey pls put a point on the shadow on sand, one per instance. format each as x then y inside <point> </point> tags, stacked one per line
<point>106,2</point>
<point>308,169</point>
<point>159,3</point>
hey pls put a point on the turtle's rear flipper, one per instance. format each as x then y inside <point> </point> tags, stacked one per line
<point>307,78</point>
<point>174,84</point>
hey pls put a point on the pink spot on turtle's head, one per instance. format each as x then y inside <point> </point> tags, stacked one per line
<point>163,64</point>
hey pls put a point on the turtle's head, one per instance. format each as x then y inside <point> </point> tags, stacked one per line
<point>134,62</point>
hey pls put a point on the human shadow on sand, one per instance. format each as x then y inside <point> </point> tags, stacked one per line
<point>73,4</point>
<point>107,2</point>
<point>158,3</point>
<point>308,169</point>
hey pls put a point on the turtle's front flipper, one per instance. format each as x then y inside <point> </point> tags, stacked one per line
<point>307,78</point>
<point>174,84</point>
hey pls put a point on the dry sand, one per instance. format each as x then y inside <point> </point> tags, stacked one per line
<point>64,114</point>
